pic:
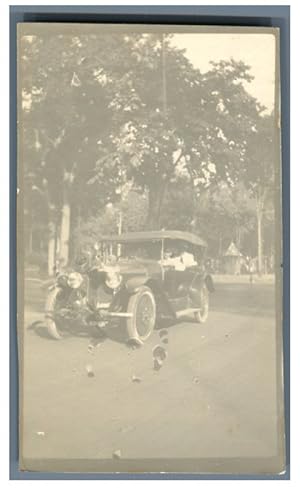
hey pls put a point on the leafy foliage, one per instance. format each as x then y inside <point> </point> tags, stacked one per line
<point>103,112</point>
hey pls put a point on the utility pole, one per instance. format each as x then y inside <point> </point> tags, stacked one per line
<point>164,81</point>
<point>120,225</point>
<point>120,222</point>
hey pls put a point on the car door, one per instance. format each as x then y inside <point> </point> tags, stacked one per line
<point>176,286</point>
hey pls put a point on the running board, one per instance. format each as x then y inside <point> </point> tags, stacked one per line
<point>187,312</point>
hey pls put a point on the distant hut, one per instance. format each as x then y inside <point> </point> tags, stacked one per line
<point>232,260</point>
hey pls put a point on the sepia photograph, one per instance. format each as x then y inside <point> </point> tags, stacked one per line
<point>149,249</point>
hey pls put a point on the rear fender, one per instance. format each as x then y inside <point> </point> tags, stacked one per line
<point>201,280</point>
<point>197,284</point>
<point>209,283</point>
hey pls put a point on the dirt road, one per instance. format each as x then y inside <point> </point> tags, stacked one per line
<point>215,395</point>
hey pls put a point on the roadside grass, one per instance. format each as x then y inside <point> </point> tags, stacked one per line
<point>243,278</point>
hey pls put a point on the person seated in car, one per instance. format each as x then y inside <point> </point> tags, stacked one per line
<point>187,258</point>
<point>178,260</point>
<point>167,259</point>
<point>170,259</point>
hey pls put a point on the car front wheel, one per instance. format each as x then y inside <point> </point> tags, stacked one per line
<point>202,314</point>
<point>142,308</point>
<point>53,302</point>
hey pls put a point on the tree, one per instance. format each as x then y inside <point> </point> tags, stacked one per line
<point>61,149</point>
<point>181,123</point>
<point>258,173</point>
<point>220,213</point>
<point>127,108</point>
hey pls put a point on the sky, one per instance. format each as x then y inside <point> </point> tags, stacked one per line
<point>256,50</point>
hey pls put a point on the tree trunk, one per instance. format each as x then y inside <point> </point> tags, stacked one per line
<point>156,197</point>
<point>65,229</point>
<point>51,248</point>
<point>238,236</point>
<point>220,245</point>
<point>260,204</point>
<point>259,242</point>
<point>51,257</point>
<point>120,229</point>
<point>151,223</point>
<point>30,237</point>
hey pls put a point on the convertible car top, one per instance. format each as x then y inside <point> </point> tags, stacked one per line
<point>141,236</point>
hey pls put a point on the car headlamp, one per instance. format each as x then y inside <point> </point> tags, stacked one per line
<point>75,280</point>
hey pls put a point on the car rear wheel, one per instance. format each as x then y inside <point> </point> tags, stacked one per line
<point>52,304</point>
<point>202,314</point>
<point>142,306</point>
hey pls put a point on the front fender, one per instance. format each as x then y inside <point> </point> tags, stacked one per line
<point>134,283</point>
<point>209,283</point>
<point>164,306</point>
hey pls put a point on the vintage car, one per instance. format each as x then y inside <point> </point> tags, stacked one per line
<point>133,280</point>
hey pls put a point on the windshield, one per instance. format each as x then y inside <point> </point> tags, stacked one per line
<point>145,250</point>
<point>152,250</point>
